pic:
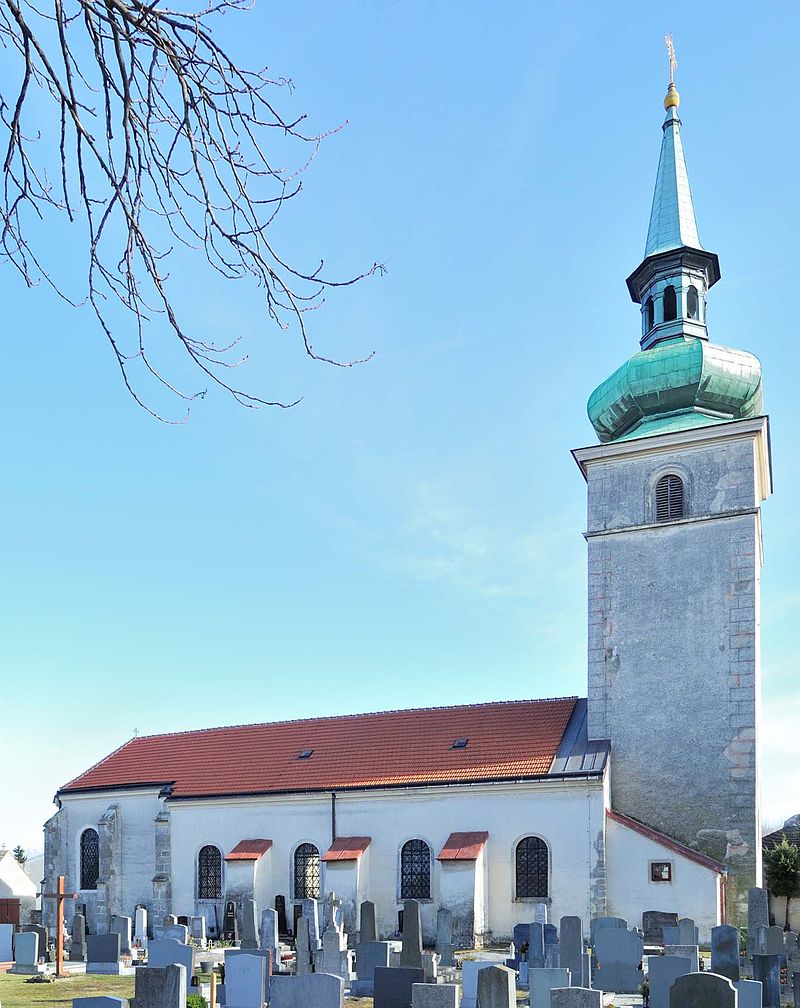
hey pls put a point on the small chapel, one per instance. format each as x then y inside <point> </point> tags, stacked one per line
<point>641,796</point>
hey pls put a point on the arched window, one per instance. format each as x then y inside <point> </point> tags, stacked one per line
<point>209,873</point>
<point>649,315</point>
<point>90,859</point>
<point>670,303</point>
<point>691,303</point>
<point>306,872</point>
<point>415,870</point>
<point>669,498</point>
<point>532,868</point>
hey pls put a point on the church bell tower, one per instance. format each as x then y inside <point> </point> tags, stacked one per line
<point>674,551</point>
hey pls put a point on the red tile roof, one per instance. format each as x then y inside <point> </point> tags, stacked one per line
<point>667,841</point>
<point>347,848</point>
<point>463,846</point>
<point>249,850</point>
<point>508,740</point>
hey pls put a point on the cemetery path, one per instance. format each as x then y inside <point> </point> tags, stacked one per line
<point>16,992</point>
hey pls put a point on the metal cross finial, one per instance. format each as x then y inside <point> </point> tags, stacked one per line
<point>673,59</point>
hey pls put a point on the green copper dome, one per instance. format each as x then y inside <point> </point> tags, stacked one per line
<point>678,383</point>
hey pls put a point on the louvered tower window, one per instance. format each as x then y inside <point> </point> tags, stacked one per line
<point>209,873</point>
<point>669,498</point>
<point>649,315</point>
<point>415,870</point>
<point>532,868</point>
<point>670,303</point>
<point>306,872</point>
<point>90,859</point>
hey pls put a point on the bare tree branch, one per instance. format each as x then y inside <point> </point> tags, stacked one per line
<point>160,134</point>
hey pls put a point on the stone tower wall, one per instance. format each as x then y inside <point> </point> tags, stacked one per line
<point>674,641</point>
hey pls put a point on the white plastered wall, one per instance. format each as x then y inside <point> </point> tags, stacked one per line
<point>693,892</point>
<point>563,813</point>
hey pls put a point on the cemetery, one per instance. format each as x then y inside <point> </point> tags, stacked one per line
<point>540,853</point>
<point>657,962</point>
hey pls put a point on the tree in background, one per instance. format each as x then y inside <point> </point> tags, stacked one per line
<point>19,855</point>
<point>130,121</point>
<point>782,868</point>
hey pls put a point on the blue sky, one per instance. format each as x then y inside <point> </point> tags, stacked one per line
<point>410,534</point>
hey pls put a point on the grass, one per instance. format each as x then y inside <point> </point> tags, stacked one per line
<point>15,991</point>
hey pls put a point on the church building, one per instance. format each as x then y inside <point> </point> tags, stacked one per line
<point>641,796</point>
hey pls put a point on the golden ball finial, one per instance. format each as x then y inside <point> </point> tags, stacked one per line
<point>673,99</point>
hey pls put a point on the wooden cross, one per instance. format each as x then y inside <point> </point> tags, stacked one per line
<point>59,896</point>
<point>673,59</point>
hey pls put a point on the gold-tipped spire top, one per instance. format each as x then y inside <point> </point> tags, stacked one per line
<point>673,99</point>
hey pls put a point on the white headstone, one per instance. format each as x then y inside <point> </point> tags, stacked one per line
<point>245,981</point>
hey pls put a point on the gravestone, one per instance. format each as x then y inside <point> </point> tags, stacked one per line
<point>411,953</point>
<point>311,913</point>
<point>535,956</point>
<point>767,970</point>
<point>542,981</point>
<point>170,920</point>
<point>163,952</point>
<point>725,951</point>
<point>618,953</point>
<point>749,992</point>
<point>269,937</point>
<point>100,1001</point>
<point>671,935</point>
<point>497,988</point>
<point>280,910</point>
<point>687,932</point>
<point>790,946</point>
<point>571,946</point>
<point>586,972</point>
<point>318,990</point>
<point>368,931</point>
<point>160,987</point>
<point>176,932</point>
<point>653,924</point>
<point>140,927</point>
<point>662,972</point>
<point>245,980</point>
<point>470,969</point>
<point>393,986</point>
<point>369,956</point>
<point>248,932</point>
<point>302,948</point>
<point>78,951</point>
<point>434,996</point>
<point>690,952</point>
<point>757,914</point>
<point>26,953</point>
<point>122,926</point>
<point>575,997</point>
<point>335,958</point>
<point>44,938</point>
<point>444,937</point>
<point>519,946</point>
<point>702,990</point>
<point>197,930</point>
<point>795,990</point>
<point>551,947</point>
<point>430,966</point>
<point>102,955</point>
<point>6,943</point>
<point>775,943</point>
<point>230,926</point>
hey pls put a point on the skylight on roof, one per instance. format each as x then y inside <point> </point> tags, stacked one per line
<point>460,743</point>
<point>305,754</point>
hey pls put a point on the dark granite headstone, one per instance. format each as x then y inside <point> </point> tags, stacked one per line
<point>393,986</point>
<point>229,928</point>
<point>653,924</point>
<point>43,939</point>
<point>767,969</point>
<point>77,952</point>
<point>283,924</point>
<point>102,948</point>
<point>725,951</point>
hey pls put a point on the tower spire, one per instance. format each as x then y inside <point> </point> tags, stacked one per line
<point>672,220</point>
